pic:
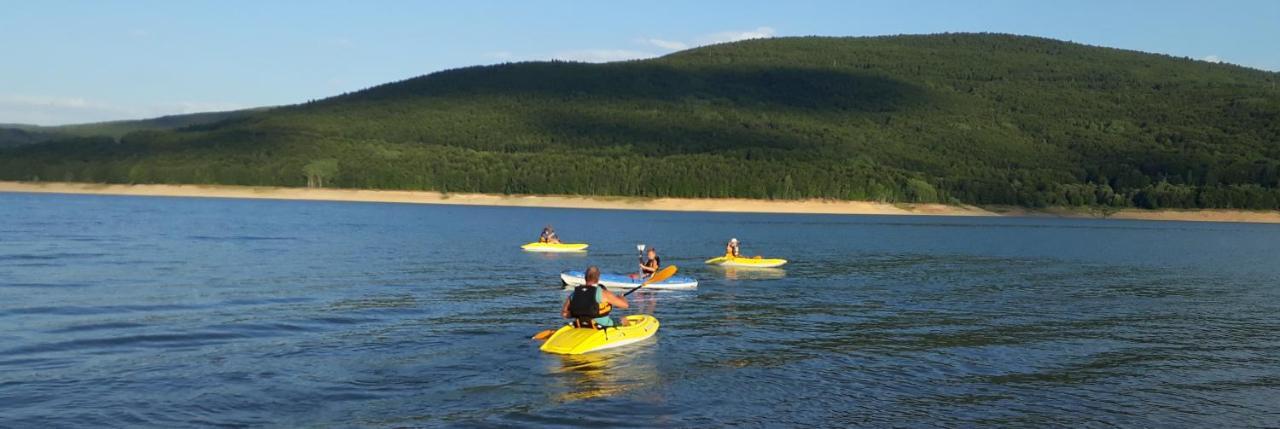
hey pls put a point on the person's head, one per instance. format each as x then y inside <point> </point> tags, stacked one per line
<point>548,228</point>
<point>592,276</point>
<point>733,241</point>
<point>652,252</point>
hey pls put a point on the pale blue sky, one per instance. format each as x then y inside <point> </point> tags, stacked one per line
<point>78,61</point>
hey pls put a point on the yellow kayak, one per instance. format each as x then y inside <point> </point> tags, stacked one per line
<point>756,262</point>
<point>555,247</point>
<point>569,340</point>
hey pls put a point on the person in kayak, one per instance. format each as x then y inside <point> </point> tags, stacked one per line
<point>589,305</point>
<point>548,235</point>
<point>731,250</point>
<point>651,263</point>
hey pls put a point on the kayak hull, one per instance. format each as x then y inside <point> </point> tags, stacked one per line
<point>569,340</point>
<point>555,247</point>
<point>576,278</point>
<point>746,262</point>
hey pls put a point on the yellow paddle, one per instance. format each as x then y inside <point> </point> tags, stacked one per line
<point>661,275</point>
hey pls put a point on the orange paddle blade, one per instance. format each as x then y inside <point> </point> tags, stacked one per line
<point>544,334</point>
<point>662,274</point>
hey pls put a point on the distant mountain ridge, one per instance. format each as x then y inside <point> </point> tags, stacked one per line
<point>985,119</point>
<point>20,134</point>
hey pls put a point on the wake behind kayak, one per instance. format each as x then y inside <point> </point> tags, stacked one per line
<point>576,278</point>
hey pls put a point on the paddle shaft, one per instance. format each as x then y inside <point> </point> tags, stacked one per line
<point>661,275</point>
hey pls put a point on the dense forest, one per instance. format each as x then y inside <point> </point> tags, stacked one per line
<point>954,118</point>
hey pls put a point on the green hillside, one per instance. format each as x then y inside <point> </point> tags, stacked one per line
<point>22,134</point>
<point>956,118</point>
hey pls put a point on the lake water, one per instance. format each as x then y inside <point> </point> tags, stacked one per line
<point>173,312</point>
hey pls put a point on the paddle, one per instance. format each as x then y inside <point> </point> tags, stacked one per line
<point>661,275</point>
<point>639,248</point>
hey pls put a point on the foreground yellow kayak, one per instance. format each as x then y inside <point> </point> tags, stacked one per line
<point>569,340</point>
<point>756,262</point>
<point>555,247</point>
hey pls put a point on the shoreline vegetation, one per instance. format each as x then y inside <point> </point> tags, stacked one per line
<point>716,205</point>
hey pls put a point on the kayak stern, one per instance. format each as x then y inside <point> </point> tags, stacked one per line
<point>569,340</point>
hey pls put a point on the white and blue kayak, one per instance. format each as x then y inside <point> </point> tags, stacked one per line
<point>575,278</point>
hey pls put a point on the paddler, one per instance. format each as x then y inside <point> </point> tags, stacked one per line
<point>589,305</point>
<point>548,235</point>
<point>651,263</point>
<point>731,250</point>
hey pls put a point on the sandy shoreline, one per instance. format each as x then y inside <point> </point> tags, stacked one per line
<point>730,205</point>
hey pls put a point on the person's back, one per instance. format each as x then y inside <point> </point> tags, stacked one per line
<point>590,304</point>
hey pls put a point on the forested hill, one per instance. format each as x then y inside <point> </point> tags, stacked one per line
<point>957,118</point>
<point>22,134</point>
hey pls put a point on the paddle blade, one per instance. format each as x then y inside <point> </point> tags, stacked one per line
<point>544,334</point>
<point>662,274</point>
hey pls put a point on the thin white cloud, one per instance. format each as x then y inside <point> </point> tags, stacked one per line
<point>501,55</point>
<point>44,110</point>
<point>662,46</point>
<point>336,43</point>
<point>735,36</point>
<point>710,39</point>
<point>667,44</point>
<point>55,102</point>
<point>601,55</point>
<point>184,107</point>
<point>1211,58</point>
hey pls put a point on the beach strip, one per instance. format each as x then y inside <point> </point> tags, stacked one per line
<point>716,205</point>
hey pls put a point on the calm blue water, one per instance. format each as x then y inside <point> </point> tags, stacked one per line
<point>171,312</point>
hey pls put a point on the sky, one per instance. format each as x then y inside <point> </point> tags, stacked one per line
<point>71,61</point>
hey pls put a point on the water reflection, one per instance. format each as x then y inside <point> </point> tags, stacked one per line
<point>749,273</point>
<point>557,256</point>
<point>606,373</point>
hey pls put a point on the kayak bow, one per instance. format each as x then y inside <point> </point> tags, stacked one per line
<point>576,278</point>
